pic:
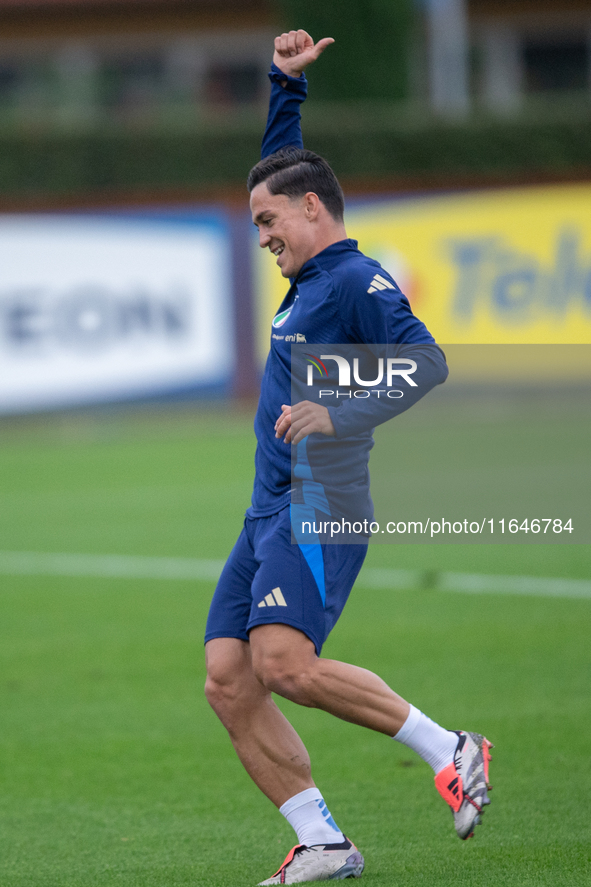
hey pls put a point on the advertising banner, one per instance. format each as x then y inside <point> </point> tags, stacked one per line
<point>488,267</point>
<point>103,308</point>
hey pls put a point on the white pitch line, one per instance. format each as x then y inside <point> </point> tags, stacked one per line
<point>109,566</point>
<point>475,583</point>
<point>119,566</point>
<point>533,585</point>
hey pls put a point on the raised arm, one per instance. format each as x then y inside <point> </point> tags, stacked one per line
<point>294,51</point>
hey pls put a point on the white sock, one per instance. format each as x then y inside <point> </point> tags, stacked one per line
<point>435,745</point>
<point>307,813</point>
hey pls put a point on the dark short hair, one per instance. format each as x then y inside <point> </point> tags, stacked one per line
<point>294,172</point>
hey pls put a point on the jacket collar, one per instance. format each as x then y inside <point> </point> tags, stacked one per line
<point>328,258</point>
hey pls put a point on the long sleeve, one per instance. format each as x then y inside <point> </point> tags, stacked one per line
<point>284,120</point>
<point>355,416</point>
<point>384,318</point>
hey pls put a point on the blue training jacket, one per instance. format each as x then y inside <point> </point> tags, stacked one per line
<point>329,302</point>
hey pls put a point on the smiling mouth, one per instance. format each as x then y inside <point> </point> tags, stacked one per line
<point>277,252</point>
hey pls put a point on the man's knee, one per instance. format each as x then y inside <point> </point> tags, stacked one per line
<point>228,662</point>
<point>288,679</point>
<point>284,663</point>
<point>231,688</point>
<point>220,690</point>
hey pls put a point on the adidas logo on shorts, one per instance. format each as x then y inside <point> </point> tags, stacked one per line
<point>274,599</point>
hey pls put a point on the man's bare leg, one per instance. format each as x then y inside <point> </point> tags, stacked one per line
<point>269,748</point>
<point>285,661</point>
<point>281,659</point>
<point>241,677</point>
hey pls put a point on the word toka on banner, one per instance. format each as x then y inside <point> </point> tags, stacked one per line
<point>487,267</point>
<point>103,308</point>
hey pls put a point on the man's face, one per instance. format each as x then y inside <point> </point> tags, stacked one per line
<point>284,227</point>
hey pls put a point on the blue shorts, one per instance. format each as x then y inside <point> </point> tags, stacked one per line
<point>267,579</point>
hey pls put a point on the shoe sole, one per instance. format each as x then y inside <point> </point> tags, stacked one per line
<point>352,868</point>
<point>486,755</point>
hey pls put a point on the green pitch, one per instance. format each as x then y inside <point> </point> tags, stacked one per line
<point>115,772</point>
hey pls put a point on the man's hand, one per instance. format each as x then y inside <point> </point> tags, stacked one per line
<point>295,50</point>
<point>303,419</point>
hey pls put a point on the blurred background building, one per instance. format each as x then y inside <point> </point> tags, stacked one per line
<point>85,63</point>
<point>153,111</point>
<point>128,95</point>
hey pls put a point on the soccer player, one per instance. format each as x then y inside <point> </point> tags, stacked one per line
<point>276,602</point>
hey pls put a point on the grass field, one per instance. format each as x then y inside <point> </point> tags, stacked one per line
<point>115,772</point>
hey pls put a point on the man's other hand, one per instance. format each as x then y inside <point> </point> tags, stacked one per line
<point>295,50</point>
<point>304,418</point>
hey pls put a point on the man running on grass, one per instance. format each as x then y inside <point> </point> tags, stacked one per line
<point>276,602</point>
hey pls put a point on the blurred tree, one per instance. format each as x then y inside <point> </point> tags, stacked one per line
<point>370,59</point>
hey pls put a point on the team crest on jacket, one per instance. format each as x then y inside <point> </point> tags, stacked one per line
<point>280,319</point>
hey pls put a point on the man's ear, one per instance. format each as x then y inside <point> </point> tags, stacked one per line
<point>311,205</point>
